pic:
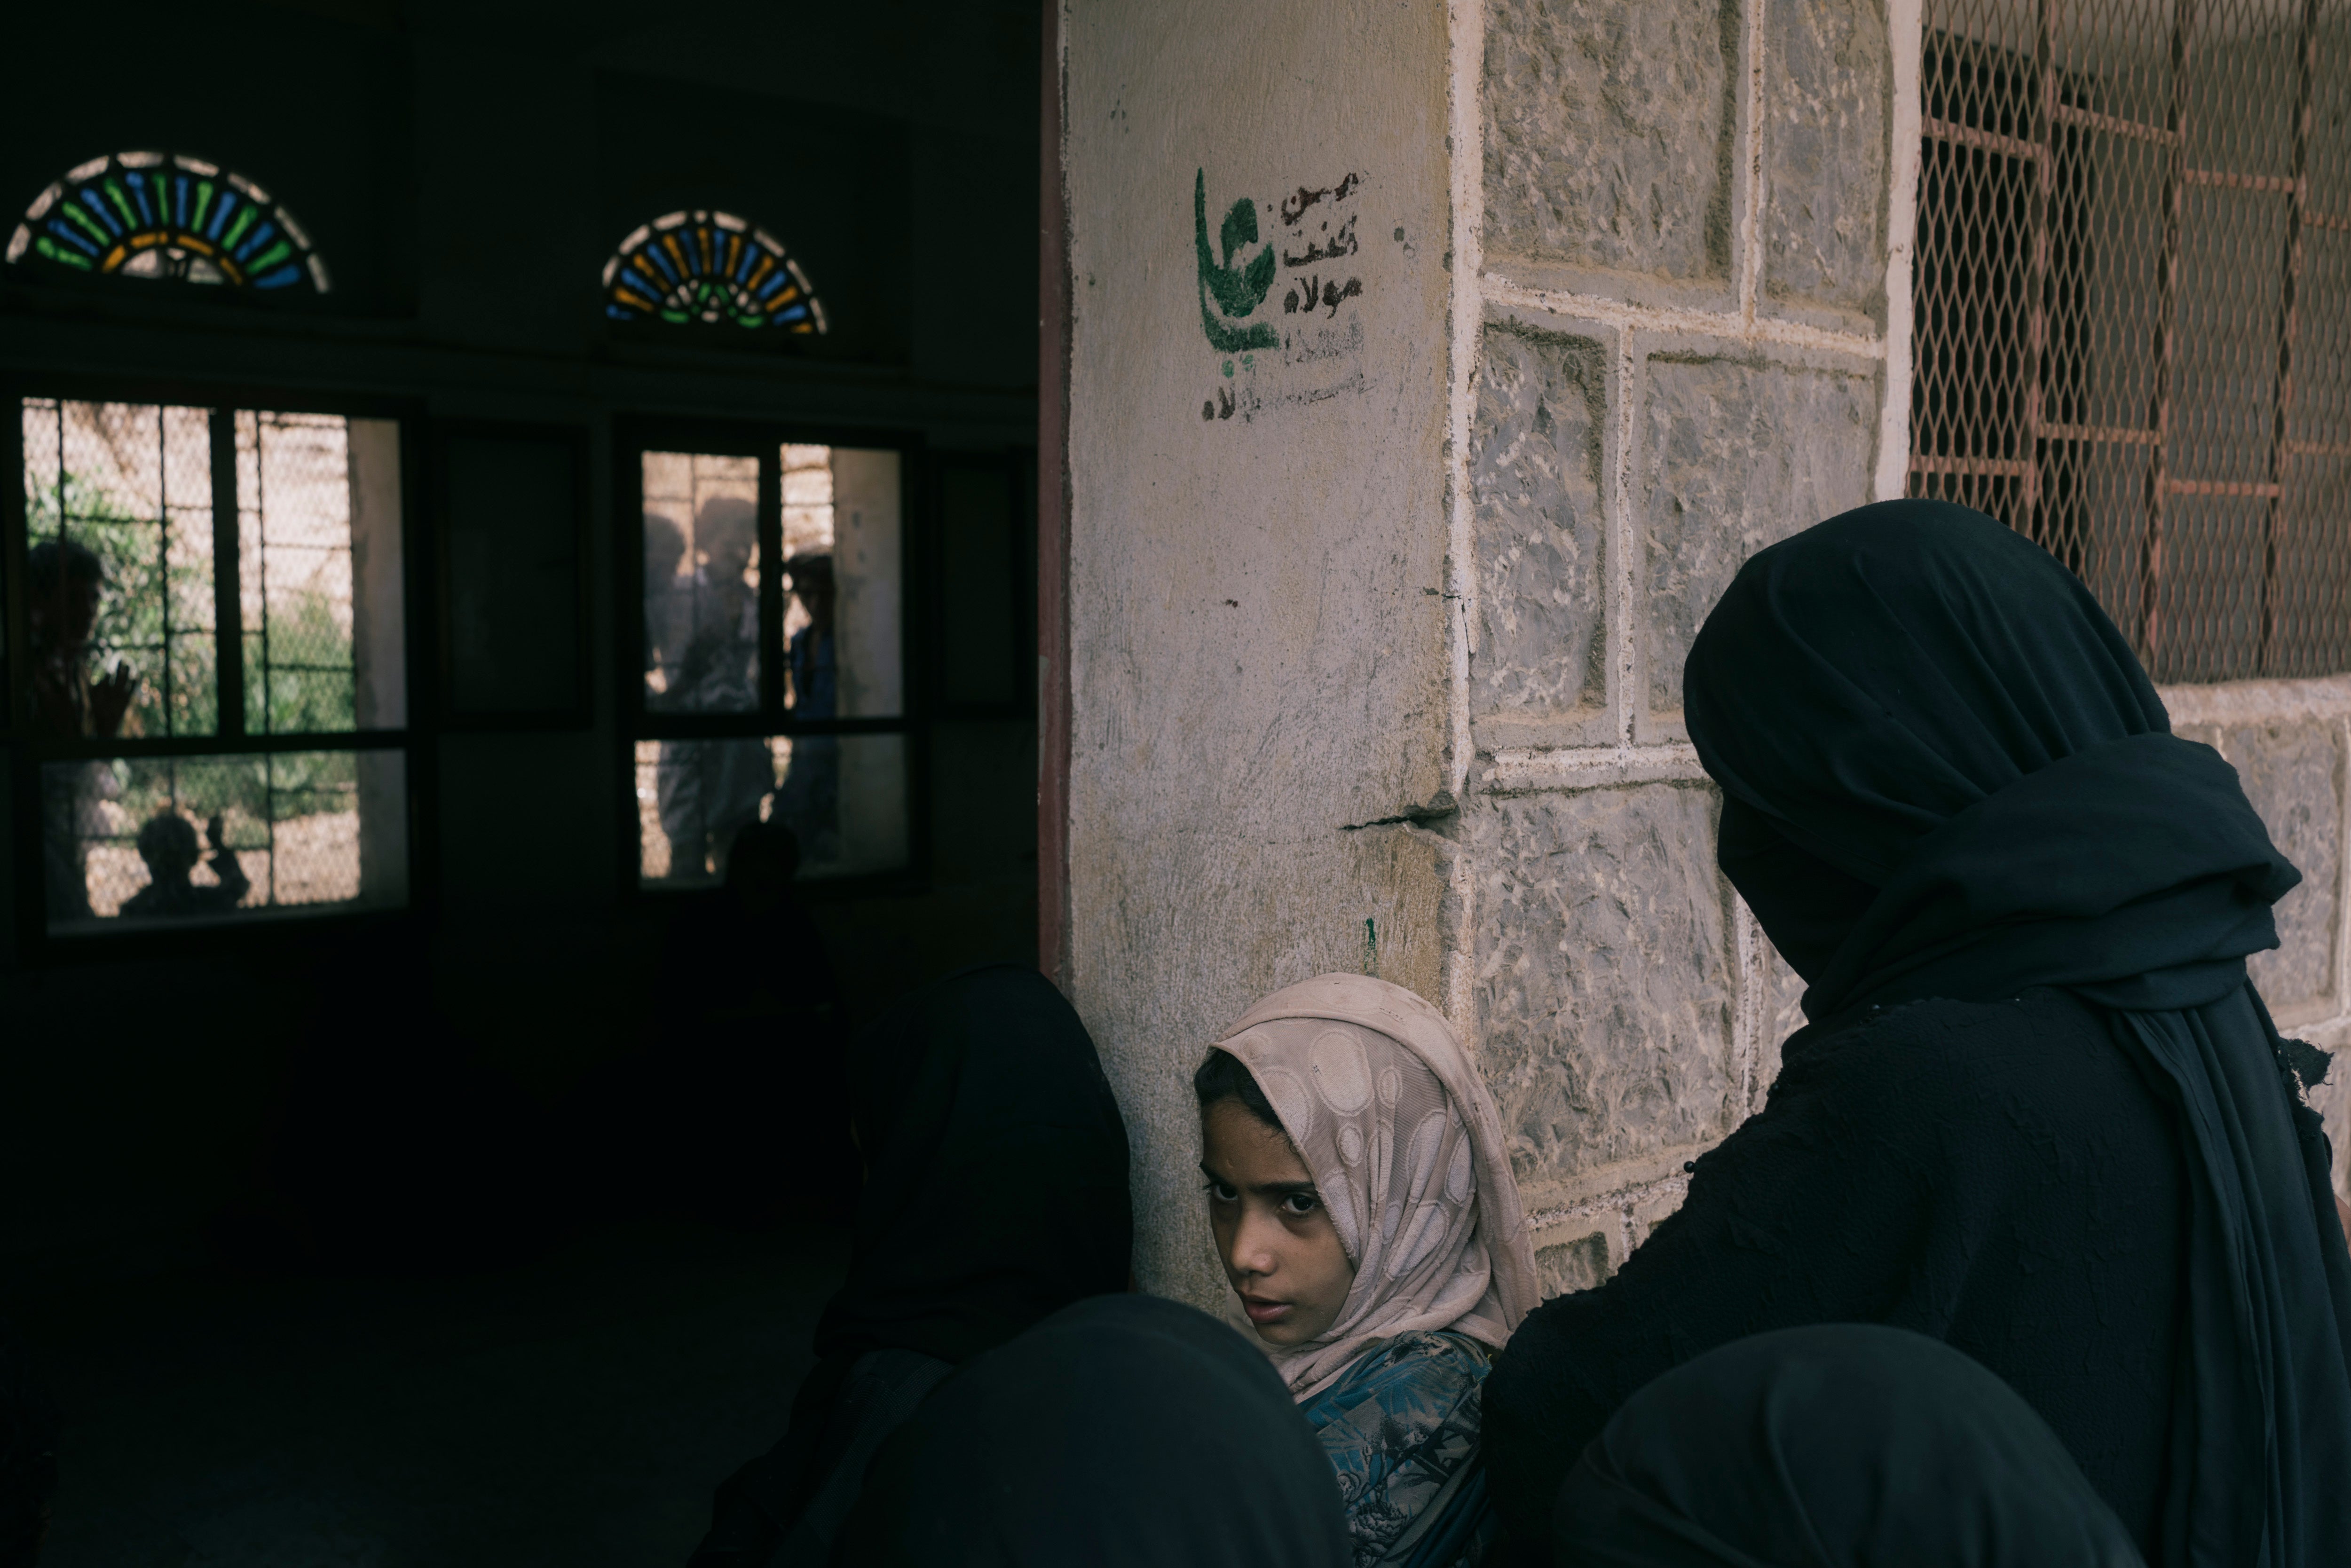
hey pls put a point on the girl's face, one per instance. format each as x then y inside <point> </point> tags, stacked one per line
<point>1278,1246</point>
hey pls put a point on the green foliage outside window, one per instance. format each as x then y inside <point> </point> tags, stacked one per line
<point>156,613</point>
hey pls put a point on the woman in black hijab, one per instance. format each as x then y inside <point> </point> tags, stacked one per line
<point>996,1194</point>
<point>2038,1111</point>
<point>1127,1430</point>
<point>1839,1446</point>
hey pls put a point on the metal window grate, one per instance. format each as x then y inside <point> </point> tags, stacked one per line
<point>2133,310</point>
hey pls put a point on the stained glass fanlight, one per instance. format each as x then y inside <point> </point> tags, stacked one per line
<point>713,267</point>
<point>165,214</point>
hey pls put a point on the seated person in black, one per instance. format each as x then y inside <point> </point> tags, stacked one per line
<point>1838,1445</point>
<point>996,1194</point>
<point>1124,1430</point>
<point>2040,1113</point>
<point>29,1428</point>
<point>168,844</point>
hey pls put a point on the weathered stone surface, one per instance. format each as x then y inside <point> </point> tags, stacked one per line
<point>1573,1265</point>
<point>2331,1098</point>
<point>1534,477</point>
<point>1738,454</point>
<point>1608,133</point>
<point>1604,975</point>
<point>1783,1015</point>
<point>1655,1210</point>
<point>2293,776</point>
<point>1824,152</point>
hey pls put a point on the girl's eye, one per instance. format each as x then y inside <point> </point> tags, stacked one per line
<point>1300,1204</point>
<point>1219,1192</point>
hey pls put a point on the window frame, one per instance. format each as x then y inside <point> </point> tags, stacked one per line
<point>1018,467</point>
<point>26,753</point>
<point>632,435</point>
<point>579,711</point>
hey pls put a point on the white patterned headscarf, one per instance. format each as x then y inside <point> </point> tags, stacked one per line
<point>1405,1149</point>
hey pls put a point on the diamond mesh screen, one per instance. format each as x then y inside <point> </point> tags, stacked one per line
<point>132,485</point>
<point>2133,310</point>
<point>175,837</point>
<point>294,541</point>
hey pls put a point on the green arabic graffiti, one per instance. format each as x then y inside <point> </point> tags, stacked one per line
<point>1237,290</point>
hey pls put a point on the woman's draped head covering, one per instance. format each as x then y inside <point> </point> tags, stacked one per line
<point>996,1194</point>
<point>1907,707</point>
<point>996,1187</point>
<point>1405,1149</point>
<point>1835,1445</point>
<point>1945,774</point>
<point>1125,1429</point>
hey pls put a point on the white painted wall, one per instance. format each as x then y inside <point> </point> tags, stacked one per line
<point>1258,537</point>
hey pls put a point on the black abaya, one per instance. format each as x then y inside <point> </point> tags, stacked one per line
<point>2039,1111</point>
<point>1838,1445</point>
<point>996,1194</point>
<point>1127,1430</point>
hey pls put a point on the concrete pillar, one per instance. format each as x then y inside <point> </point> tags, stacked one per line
<point>1263,661</point>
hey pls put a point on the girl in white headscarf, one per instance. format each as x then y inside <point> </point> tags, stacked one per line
<point>1366,1215</point>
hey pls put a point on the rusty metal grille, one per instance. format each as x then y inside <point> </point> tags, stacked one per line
<point>2133,310</point>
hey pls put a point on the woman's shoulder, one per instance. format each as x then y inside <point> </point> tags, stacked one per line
<point>1908,1042</point>
<point>1951,1069</point>
<point>1925,1020</point>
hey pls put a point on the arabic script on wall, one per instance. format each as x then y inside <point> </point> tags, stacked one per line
<point>1273,305</point>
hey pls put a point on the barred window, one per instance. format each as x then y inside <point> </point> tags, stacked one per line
<point>209,667</point>
<point>773,686</point>
<point>2133,311</point>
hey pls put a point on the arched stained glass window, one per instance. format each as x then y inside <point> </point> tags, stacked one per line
<point>709,267</point>
<point>165,214</point>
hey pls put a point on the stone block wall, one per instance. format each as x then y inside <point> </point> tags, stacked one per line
<point>2289,742</point>
<point>1378,607</point>
<point>1671,343</point>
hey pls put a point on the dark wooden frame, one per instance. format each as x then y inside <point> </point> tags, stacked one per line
<point>764,439</point>
<point>1017,467</point>
<point>579,711</point>
<point>34,944</point>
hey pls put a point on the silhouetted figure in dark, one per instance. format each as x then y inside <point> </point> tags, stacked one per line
<point>64,582</point>
<point>1835,1445</point>
<point>669,609</point>
<point>809,797</point>
<point>1124,1429</point>
<point>709,789</point>
<point>30,1429</point>
<point>704,1117</point>
<point>168,844</point>
<point>994,1195</point>
<point>754,953</point>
